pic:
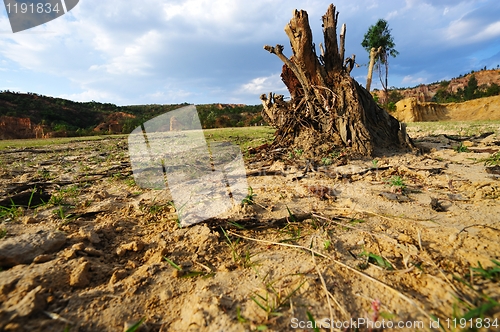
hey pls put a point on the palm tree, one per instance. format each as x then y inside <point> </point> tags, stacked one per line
<point>378,42</point>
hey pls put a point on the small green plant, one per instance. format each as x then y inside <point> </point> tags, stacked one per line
<point>44,174</point>
<point>292,231</point>
<point>326,161</point>
<point>11,213</point>
<point>130,181</point>
<point>244,258</point>
<point>134,327</point>
<point>186,274</point>
<point>156,209</point>
<point>327,244</point>
<point>298,152</point>
<point>175,266</point>
<point>310,317</point>
<point>274,299</point>
<point>378,260</point>
<point>335,154</point>
<point>31,197</point>
<point>374,163</point>
<point>398,183</point>
<point>239,317</point>
<point>461,148</point>
<point>179,212</point>
<point>492,160</point>
<point>290,214</point>
<point>249,198</point>
<point>65,218</point>
<point>56,199</point>
<point>482,305</point>
<point>3,233</point>
<point>491,273</point>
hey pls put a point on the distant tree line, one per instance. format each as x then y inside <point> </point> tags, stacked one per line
<point>469,92</point>
<point>80,118</point>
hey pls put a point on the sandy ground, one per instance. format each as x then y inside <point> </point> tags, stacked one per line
<point>382,242</point>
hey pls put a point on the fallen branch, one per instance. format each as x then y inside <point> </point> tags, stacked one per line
<point>465,138</point>
<point>254,223</point>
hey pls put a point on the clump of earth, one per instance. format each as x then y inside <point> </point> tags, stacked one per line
<point>396,238</point>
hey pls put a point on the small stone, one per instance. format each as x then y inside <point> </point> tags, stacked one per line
<point>405,238</point>
<point>78,246</point>
<point>355,177</point>
<point>80,275</point>
<point>68,254</point>
<point>133,246</point>
<point>177,273</point>
<point>93,252</point>
<point>131,265</point>
<point>452,238</point>
<point>42,258</point>
<point>165,295</point>
<point>29,220</point>
<point>90,234</point>
<point>12,327</point>
<point>24,248</point>
<point>117,276</point>
<point>33,302</point>
<point>120,251</point>
<point>467,144</point>
<point>223,268</point>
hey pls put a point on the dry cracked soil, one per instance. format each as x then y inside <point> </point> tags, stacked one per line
<point>406,238</point>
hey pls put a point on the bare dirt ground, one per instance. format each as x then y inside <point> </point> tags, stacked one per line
<point>396,240</point>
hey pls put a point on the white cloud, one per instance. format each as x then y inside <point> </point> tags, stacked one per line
<point>165,51</point>
<point>134,59</point>
<point>170,94</point>
<point>91,94</point>
<point>260,85</point>
<point>409,79</point>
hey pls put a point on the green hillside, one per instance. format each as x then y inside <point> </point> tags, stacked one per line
<point>80,118</point>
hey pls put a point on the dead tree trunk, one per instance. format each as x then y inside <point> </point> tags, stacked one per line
<point>373,54</point>
<point>328,109</point>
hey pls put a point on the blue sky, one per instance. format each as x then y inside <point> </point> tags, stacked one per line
<point>197,51</point>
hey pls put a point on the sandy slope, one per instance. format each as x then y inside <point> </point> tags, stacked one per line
<point>482,109</point>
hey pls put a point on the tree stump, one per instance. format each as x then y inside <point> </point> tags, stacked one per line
<point>328,109</point>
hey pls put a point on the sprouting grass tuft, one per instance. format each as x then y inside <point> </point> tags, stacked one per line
<point>240,318</point>
<point>242,257</point>
<point>310,317</point>
<point>378,260</point>
<point>249,198</point>
<point>492,160</point>
<point>326,161</point>
<point>491,273</point>
<point>461,148</point>
<point>11,213</point>
<point>275,298</point>
<point>175,266</point>
<point>482,305</point>
<point>134,327</point>
<point>398,183</point>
